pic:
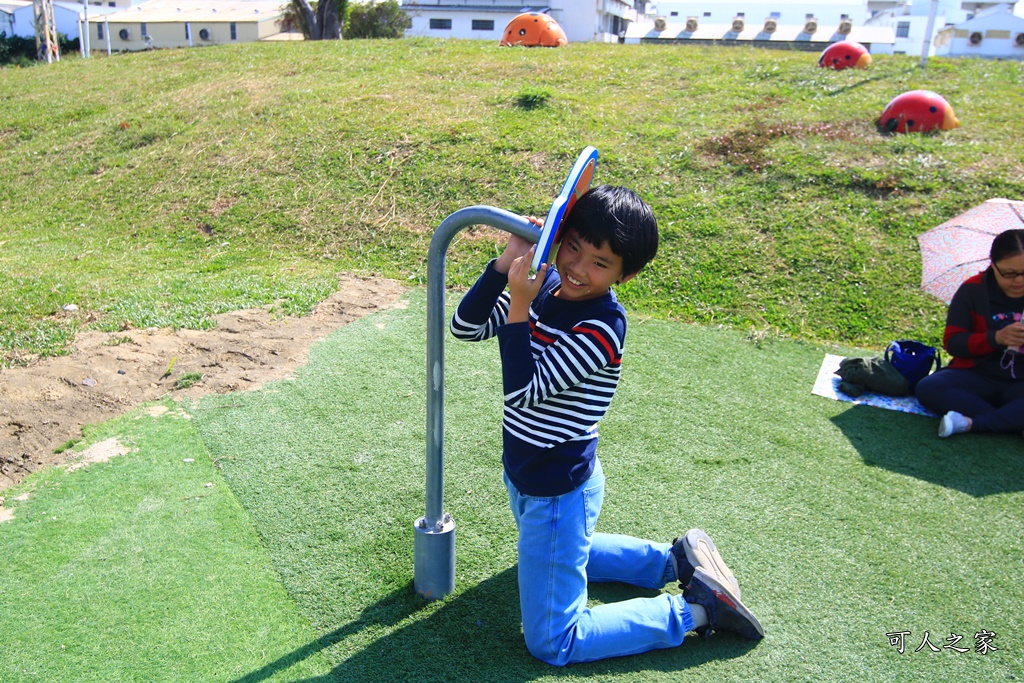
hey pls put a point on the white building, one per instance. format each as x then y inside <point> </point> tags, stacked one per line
<point>909,20</point>
<point>582,20</point>
<point>811,35</point>
<point>185,23</point>
<point>756,12</point>
<point>995,33</point>
<point>885,26</point>
<point>17,18</point>
<point>806,26</point>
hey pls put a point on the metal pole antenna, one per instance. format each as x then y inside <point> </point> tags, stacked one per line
<point>434,545</point>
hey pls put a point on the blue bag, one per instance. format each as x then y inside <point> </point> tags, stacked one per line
<point>913,359</point>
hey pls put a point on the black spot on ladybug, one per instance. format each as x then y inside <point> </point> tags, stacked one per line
<point>910,123</point>
<point>932,109</point>
<point>848,57</point>
<point>522,31</point>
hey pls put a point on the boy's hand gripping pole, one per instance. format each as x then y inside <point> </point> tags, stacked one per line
<point>434,546</point>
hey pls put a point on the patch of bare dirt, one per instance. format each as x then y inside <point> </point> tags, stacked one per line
<point>99,452</point>
<point>44,405</point>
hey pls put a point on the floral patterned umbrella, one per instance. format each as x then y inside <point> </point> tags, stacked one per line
<point>959,248</point>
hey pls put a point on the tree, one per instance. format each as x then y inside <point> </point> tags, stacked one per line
<point>376,20</point>
<point>322,22</point>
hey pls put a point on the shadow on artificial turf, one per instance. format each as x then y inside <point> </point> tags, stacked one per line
<point>475,637</point>
<point>976,464</point>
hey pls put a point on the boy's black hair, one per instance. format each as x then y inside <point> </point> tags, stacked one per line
<point>616,216</point>
<point>1006,244</point>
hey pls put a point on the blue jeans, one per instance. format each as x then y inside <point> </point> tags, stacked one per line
<point>559,551</point>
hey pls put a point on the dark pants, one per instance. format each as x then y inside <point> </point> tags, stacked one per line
<point>994,404</point>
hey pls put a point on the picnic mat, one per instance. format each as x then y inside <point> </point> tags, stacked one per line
<point>827,384</point>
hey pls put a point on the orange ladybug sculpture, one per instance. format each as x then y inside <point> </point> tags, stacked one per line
<point>846,54</point>
<point>534,29</point>
<point>918,111</point>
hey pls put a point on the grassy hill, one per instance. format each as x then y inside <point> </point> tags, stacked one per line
<point>161,188</point>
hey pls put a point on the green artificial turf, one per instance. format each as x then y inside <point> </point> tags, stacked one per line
<point>842,523</point>
<point>136,569</point>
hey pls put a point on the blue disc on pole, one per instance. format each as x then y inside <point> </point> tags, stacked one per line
<point>575,186</point>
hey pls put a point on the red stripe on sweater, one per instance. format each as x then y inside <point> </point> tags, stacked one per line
<point>602,340</point>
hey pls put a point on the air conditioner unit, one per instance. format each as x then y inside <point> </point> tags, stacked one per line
<point>691,24</point>
<point>124,34</point>
<point>770,25</point>
<point>204,34</point>
<point>811,26</point>
<point>845,26</point>
<point>660,24</point>
<point>737,25</point>
<point>975,38</point>
<point>1018,40</point>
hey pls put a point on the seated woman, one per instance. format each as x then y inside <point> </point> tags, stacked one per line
<point>982,388</point>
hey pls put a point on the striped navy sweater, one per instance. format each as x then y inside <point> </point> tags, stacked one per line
<point>559,374</point>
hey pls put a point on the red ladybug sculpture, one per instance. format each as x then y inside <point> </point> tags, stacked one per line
<point>534,29</point>
<point>918,111</point>
<point>846,54</point>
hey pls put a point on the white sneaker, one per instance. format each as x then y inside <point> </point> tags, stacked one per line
<point>953,423</point>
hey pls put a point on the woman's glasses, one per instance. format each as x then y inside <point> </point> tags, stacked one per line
<point>1010,275</point>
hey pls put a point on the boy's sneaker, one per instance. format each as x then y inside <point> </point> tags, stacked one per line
<point>953,423</point>
<point>696,549</point>
<point>725,611</point>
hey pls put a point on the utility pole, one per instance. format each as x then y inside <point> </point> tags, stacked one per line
<point>84,37</point>
<point>46,32</point>
<point>927,43</point>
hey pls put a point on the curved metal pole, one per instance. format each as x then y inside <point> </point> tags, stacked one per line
<point>434,547</point>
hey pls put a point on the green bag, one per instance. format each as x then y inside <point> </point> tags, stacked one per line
<point>871,374</point>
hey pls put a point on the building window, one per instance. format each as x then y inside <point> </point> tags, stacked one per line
<point>741,15</point>
<point>112,4</point>
<point>707,14</point>
<point>844,16</point>
<point>234,31</point>
<point>775,15</point>
<point>99,31</point>
<point>903,29</point>
<point>441,24</point>
<point>142,28</point>
<point>809,16</point>
<point>482,25</point>
<point>673,14</point>
<point>188,33</point>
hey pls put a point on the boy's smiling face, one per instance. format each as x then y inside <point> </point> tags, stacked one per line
<point>587,271</point>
